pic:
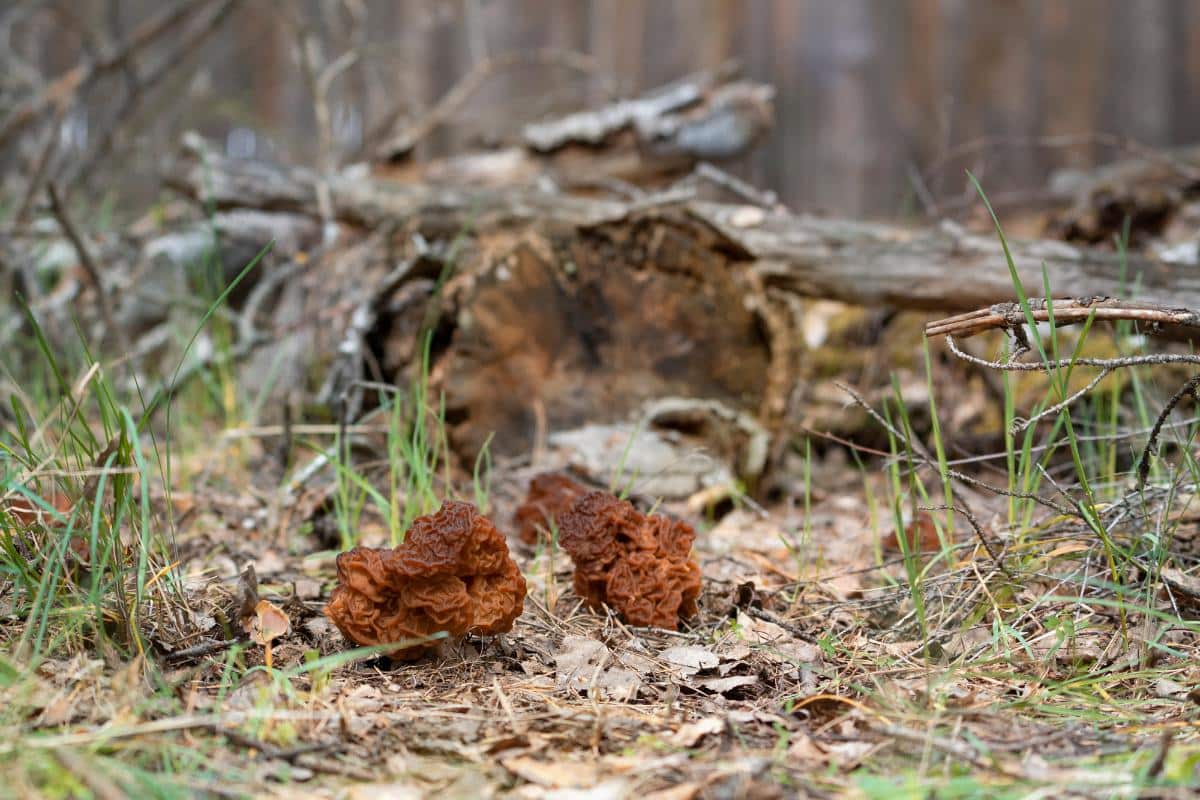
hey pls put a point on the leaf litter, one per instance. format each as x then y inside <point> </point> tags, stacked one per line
<point>794,674</point>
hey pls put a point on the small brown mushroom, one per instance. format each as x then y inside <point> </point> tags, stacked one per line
<point>638,564</point>
<point>452,573</point>
<point>551,495</point>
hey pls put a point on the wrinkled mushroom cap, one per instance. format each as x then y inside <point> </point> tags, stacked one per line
<point>639,565</point>
<point>452,573</point>
<point>551,495</point>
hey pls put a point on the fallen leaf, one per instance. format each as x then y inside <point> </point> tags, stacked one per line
<point>691,733</point>
<point>246,599</point>
<point>270,562</point>
<point>609,790</point>
<point>582,665</point>
<point>26,512</point>
<point>307,588</point>
<point>619,684</point>
<point>1169,689</point>
<point>61,710</point>
<point>847,755</point>
<point>920,535</point>
<point>844,587</point>
<point>319,627</point>
<point>552,774</point>
<point>1184,587</point>
<point>760,631</point>
<point>1066,549</point>
<point>580,660</point>
<point>725,685</point>
<point>364,699</point>
<point>637,662</point>
<point>687,660</point>
<point>684,791</point>
<point>384,791</point>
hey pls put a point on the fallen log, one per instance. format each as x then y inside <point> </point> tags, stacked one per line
<point>946,268</point>
<point>547,311</point>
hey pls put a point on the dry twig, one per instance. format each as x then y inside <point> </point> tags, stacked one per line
<point>401,145</point>
<point>1068,311</point>
<point>89,265</point>
<point>64,89</point>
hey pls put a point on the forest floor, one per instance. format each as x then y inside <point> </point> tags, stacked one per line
<point>828,658</point>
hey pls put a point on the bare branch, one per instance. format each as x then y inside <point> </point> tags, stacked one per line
<point>1068,311</point>
<point>88,263</point>
<point>1189,389</point>
<point>184,46</point>
<point>401,145</point>
<point>64,89</point>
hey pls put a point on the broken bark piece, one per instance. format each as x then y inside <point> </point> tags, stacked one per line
<point>638,564</point>
<point>645,141</point>
<point>551,495</point>
<point>452,573</point>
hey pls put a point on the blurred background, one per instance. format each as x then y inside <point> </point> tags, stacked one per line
<point>880,104</point>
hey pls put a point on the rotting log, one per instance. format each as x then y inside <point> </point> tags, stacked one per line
<point>552,310</point>
<point>945,268</point>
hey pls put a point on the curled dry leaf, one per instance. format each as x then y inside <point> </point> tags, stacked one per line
<point>245,601</point>
<point>725,685</point>
<point>689,735</point>
<point>585,664</point>
<point>687,660</point>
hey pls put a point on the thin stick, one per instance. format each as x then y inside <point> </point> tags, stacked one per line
<point>923,456</point>
<point>1066,363</point>
<point>1021,425</point>
<point>1067,311</point>
<point>966,512</point>
<point>88,263</point>
<point>187,43</point>
<point>1143,467</point>
<point>401,144</point>
<point>64,89</point>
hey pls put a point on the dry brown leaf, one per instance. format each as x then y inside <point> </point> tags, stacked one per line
<point>690,734</point>
<point>684,791</point>
<point>25,512</point>
<point>552,774</point>
<point>246,598</point>
<point>920,535</point>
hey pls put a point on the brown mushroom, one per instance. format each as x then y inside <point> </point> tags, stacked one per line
<point>638,564</point>
<point>551,495</point>
<point>452,573</point>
